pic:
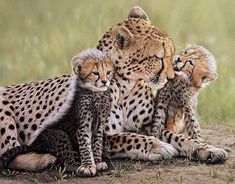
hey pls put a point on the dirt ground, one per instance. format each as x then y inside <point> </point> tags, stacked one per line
<point>177,171</point>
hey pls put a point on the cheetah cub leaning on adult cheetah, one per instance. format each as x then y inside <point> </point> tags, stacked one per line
<point>79,134</point>
<point>176,102</point>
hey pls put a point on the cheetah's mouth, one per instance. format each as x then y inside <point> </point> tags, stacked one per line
<point>92,87</point>
<point>103,86</point>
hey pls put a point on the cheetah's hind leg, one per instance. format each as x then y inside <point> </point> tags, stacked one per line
<point>10,155</point>
<point>57,143</point>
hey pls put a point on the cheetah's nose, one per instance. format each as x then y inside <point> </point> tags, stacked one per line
<point>177,60</point>
<point>104,82</point>
<point>176,69</point>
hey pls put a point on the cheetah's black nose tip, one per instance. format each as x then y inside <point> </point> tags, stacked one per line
<point>104,81</point>
<point>176,69</point>
<point>177,60</point>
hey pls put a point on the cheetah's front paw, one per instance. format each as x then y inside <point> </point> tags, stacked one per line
<point>87,170</point>
<point>161,150</point>
<point>101,166</point>
<point>211,154</point>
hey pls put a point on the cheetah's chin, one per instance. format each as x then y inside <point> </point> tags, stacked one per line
<point>157,85</point>
<point>98,89</point>
<point>181,74</point>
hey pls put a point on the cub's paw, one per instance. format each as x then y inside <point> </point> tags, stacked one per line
<point>161,151</point>
<point>86,170</point>
<point>101,166</point>
<point>211,154</point>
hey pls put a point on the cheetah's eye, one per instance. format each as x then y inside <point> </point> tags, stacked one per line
<point>185,52</point>
<point>109,72</point>
<point>95,73</point>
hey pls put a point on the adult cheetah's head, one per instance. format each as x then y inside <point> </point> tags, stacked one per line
<point>139,50</point>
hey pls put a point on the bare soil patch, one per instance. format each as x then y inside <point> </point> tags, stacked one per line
<point>178,170</point>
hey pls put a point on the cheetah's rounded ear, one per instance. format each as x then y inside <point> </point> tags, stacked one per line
<point>122,36</point>
<point>76,64</point>
<point>201,79</point>
<point>210,77</point>
<point>137,12</point>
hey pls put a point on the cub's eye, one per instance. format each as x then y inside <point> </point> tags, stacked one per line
<point>96,73</point>
<point>185,52</point>
<point>109,72</point>
<point>190,62</point>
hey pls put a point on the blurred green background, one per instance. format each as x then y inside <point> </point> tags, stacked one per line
<point>39,38</point>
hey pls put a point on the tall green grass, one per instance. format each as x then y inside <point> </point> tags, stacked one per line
<point>38,39</point>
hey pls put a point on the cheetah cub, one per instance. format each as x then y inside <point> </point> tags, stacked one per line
<point>176,103</point>
<point>79,133</point>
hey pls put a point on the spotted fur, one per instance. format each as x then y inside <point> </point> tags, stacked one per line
<point>176,102</point>
<point>75,123</point>
<point>142,56</point>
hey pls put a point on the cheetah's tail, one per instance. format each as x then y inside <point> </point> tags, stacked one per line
<point>32,161</point>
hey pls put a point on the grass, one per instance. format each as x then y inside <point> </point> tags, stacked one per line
<point>38,39</point>
<point>129,171</point>
<point>62,175</point>
<point>8,172</point>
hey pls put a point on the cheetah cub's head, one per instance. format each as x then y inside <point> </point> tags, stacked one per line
<point>196,64</point>
<point>93,70</point>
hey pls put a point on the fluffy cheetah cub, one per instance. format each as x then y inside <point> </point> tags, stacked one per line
<point>79,133</point>
<point>176,103</point>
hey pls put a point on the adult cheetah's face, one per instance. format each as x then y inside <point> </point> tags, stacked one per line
<point>139,50</point>
<point>196,64</point>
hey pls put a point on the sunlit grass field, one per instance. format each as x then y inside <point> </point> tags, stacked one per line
<point>38,39</point>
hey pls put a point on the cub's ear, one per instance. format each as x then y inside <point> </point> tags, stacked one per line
<point>122,36</point>
<point>76,64</point>
<point>137,12</point>
<point>209,77</point>
<point>200,78</point>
